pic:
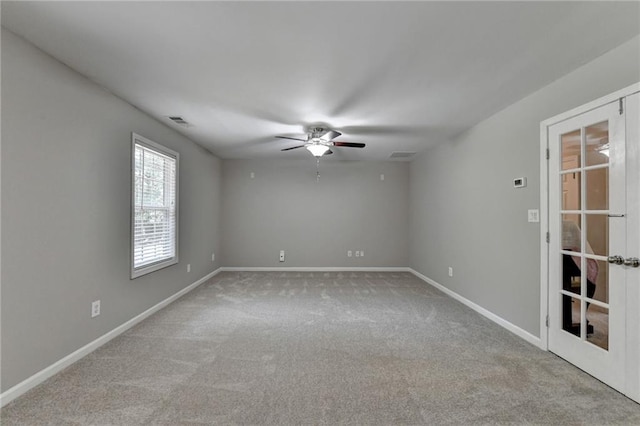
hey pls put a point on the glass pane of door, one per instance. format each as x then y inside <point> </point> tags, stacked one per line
<point>597,144</point>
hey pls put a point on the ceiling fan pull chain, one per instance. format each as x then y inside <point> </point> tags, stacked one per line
<point>318,169</point>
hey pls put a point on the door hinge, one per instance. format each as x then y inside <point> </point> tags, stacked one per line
<point>547,321</point>
<point>548,237</point>
<point>621,110</point>
<point>548,154</point>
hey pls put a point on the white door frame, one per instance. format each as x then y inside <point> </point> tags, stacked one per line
<point>544,204</point>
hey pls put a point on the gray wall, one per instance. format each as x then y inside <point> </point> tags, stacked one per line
<point>284,208</point>
<point>464,211</point>
<point>65,211</point>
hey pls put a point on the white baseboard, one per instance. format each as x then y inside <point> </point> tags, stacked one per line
<point>534,340</point>
<point>29,383</point>
<point>313,269</point>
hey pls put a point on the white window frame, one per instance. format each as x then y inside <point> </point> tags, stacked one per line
<point>149,144</point>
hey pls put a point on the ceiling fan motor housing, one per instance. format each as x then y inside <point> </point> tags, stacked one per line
<point>316,132</point>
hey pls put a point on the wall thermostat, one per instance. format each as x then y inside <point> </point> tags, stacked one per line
<point>520,182</point>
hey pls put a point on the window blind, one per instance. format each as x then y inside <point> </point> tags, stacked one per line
<point>155,211</point>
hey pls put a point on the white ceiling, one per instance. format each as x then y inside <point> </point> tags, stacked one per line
<point>398,76</point>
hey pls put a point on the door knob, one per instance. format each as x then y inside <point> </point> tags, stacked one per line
<point>634,262</point>
<point>618,260</point>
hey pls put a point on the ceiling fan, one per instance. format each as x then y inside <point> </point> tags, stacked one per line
<point>320,140</point>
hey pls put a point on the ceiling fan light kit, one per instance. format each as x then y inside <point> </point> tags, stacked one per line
<point>317,149</point>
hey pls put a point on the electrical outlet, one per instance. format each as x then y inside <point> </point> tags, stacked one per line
<point>281,255</point>
<point>188,267</point>
<point>95,309</point>
<point>450,271</point>
<point>357,253</point>
<point>253,175</point>
<point>533,215</point>
<point>213,257</point>
<point>349,253</point>
<point>382,176</point>
<point>361,253</point>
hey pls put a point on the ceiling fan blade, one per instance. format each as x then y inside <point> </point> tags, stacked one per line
<point>329,152</point>
<point>293,147</point>
<point>329,135</point>
<point>294,139</point>
<point>349,144</point>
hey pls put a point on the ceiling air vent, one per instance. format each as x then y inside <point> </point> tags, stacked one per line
<point>402,154</point>
<point>179,120</point>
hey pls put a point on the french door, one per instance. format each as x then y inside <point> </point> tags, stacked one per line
<point>593,247</point>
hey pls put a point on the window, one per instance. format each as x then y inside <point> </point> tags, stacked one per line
<point>154,199</point>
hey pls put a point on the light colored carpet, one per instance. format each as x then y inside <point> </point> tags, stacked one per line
<point>319,348</point>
